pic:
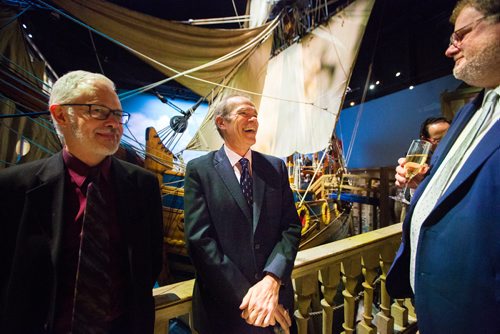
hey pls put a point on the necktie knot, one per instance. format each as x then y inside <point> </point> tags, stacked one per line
<point>244,162</point>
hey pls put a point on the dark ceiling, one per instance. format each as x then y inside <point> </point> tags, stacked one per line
<point>406,36</point>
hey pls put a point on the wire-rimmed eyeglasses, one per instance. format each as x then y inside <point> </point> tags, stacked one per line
<point>102,113</point>
<point>457,36</point>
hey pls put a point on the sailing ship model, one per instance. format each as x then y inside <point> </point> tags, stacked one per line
<point>299,93</point>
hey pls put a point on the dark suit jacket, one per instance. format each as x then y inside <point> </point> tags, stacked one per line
<point>457,278</point>
<point>32,201</point>
<point>230,250</point>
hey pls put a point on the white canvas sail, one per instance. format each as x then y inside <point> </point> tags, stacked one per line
<point>304,88</point>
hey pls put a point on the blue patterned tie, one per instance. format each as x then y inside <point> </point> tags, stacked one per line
<point>92,288</point>
<point>246,181</point>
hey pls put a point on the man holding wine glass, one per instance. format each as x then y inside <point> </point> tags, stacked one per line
<point>449,258</point>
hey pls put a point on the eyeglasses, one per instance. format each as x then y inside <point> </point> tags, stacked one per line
<point>102,113</point>
<point>457,36</point>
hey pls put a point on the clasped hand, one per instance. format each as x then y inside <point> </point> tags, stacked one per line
<point>260,305</point>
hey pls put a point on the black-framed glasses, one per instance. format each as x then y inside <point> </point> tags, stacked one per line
<point>102,113</point>
<point>457,36</point>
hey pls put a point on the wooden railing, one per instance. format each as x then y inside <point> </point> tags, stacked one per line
<point>369,254</point>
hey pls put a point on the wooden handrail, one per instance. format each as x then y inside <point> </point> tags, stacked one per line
<point>349,257</point>
<point>313,259</point>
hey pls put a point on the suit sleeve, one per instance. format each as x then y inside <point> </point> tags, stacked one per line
<point>214,268</point>
<point>281,260</point>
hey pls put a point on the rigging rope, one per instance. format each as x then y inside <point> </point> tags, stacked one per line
<point>262,36</point>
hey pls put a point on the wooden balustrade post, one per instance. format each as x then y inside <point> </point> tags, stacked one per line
<point>330,277</point>
<point>370,261</point>
<point>351,269</point>
<point>399,313</point>
<point>305,287</point>
<point>385,322</point>
<point>411,308</point>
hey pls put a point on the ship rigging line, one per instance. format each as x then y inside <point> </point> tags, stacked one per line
<point>258,39</point>
<point>365,90</point>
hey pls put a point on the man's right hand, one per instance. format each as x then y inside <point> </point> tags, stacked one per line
<point>401,179</point>
<point>283,318</point>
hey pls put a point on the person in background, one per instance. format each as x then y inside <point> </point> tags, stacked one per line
<point>242,230</point>
<point>81,231</point>
<point>433,130</point>
<point>449,258</point>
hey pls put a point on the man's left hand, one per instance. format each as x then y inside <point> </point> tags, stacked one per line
<point>260,302</point>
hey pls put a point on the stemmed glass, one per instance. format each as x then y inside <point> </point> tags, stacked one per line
<point>415,160</point>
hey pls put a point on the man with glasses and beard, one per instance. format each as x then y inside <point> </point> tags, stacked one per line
<point>81,231</point>
<point>449,259</point>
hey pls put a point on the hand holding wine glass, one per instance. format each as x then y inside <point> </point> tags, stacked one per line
<point>412,165</point>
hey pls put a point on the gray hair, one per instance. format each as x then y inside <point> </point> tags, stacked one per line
<point>224,108</point>
<point>73,85</point>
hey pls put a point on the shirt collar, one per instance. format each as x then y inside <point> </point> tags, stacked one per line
<point>79,171</point>
<point>489,91</point>
<point>234,157</point>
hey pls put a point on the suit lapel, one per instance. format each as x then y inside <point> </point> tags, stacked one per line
<point>444,147</point>
<point>125,205</point>
<point>458,125</point>
<point>487,146</point>
<point>226,173</point>
<point>48,200</point>
<point>259,187</point>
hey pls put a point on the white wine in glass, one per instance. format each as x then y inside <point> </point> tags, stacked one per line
<point>414,164</point>
<point>415,160</point>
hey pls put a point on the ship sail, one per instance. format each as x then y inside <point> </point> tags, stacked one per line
<point>304,87</point>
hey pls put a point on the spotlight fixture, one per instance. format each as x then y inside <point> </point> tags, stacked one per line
<point>352,104</point>
<point>372,86</point>
<point>30,35</point>
<point>377,82</point>
<point>398,74</point>
<point>24,26</point>
<point>411,87</point>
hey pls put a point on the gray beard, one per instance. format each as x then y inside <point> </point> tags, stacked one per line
<point>100,149</point>
<point>480,66</point>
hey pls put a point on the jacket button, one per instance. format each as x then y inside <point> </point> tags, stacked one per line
<point>257,246</point>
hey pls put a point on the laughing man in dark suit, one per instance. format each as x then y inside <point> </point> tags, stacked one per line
<point>243,249</point>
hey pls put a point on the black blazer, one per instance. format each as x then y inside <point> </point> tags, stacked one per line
<point>230,250</point>
<point>31,226</point>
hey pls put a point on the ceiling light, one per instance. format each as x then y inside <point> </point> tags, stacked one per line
<point>352,103</point>
<point>377,82</point>
<point>24,26</point>
<point>398,74</point>
<point>372,86</point>
<point>411,87</point>
<point>30,35</point>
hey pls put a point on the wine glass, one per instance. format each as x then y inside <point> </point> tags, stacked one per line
<point>415,160</point>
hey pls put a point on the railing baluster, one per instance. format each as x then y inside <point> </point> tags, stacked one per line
<point>330,277</point>
<point>175,300</point>
<point>370,261</point>
<point>351,269</point>
<point>385,323</point>
<point>399,313</point>
<point>305,287</point>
